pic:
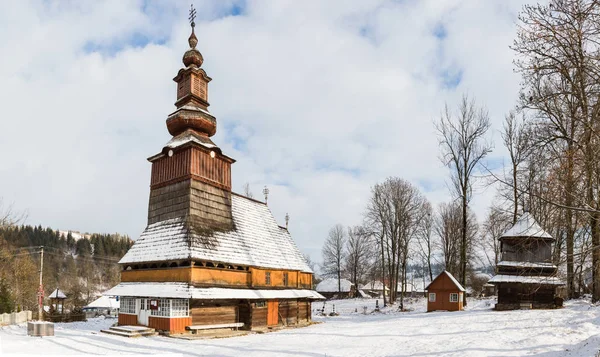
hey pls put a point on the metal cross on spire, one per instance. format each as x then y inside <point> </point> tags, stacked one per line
<point>192,15</point>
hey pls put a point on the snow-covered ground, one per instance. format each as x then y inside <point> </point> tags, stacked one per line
<point>478,331</point>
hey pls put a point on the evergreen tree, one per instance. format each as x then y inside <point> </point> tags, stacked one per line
<point>7,304</point>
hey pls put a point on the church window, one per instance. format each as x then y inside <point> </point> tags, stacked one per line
<point>127,305</point>
<point>268,278</point>
<point>179,308</point>
<point>285,279</point>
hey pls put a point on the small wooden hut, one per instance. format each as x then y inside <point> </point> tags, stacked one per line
<point>444,293</point>
<point>526,276</point>
<point>57,301</point>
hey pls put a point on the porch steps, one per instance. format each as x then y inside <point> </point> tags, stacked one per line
<point>131,331</point>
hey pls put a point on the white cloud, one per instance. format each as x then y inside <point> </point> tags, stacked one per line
<point>318,100</point>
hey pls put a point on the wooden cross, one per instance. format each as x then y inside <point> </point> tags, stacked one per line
<point>192,15</point>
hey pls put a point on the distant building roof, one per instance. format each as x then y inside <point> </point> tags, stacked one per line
<point>257,240</point>
<point>331,286</point>
<point>526,226</point>
<point>108,302</point>
<point>186,291</point>
<point>454,281</point>
<point>374,285</point>
<point>57,294</point>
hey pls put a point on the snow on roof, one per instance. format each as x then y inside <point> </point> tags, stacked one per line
<point>482,275</point>
<point>186,291</point>
<point>57,294</point>
<point>374,285</point>
<point>454,281</point>
<point>526,226</point>
<point>256,241</point>
<point>331,286</point>
<point>189,136</point>
<point>105,302</point>
<point>526,264</point>
<point>547,280</point>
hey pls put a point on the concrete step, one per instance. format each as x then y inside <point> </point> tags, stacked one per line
<point>130,331</point>
<point>133,329</point>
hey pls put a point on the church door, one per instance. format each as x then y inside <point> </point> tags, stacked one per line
<point>143,312</point>
<point>272,313</point>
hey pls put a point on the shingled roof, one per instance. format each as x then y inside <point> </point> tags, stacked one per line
<point>526,226</point>
<point>257,240</point>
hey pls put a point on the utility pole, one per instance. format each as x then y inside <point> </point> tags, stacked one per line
<point>41,289</point>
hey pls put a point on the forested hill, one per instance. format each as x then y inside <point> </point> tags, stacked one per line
<point>82,268</point>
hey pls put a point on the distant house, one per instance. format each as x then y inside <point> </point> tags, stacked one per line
<point>330,288</point>
<point>104,305</point>
<point>374,288</point>
<point>445,293</point>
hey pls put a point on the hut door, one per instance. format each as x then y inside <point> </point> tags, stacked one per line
<point>143,312</point>
<point>272,313</point>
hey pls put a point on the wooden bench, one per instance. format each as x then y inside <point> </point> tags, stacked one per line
<point>196,328</point>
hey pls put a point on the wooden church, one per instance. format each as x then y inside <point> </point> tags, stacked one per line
<point>525,276</point>
<point>208,257</point>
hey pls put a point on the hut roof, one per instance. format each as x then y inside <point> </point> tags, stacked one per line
<point>526,226</point>
<point>257,240</point>
<point>57,294</point>
<point>454,281</point>
<point>331,286</point>
<point>186,291</point>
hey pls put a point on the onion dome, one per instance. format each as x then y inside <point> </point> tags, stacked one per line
<point>192,56</point>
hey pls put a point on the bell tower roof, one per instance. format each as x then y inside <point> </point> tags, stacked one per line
<point>192,93</point>
<point>192,56</point>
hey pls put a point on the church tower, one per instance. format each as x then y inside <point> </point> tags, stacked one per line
<point>208,258</point>
<point>191,177</point>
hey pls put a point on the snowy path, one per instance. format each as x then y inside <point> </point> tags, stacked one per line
<point>479,331</point>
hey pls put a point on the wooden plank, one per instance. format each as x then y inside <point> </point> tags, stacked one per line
<point>214,315</point>
<point>208,327</point>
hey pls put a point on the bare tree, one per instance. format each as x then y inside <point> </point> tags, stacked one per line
<point>9,216</point>
<point>359,254</point>
<point>425,243</point>
<point>461,138</point>
<point>395,213</point>
<point>334,253</point>
<point>496,223</point>
<point>447,227</point>
<point>247,191</point>
<point>559,59</point>
<point>516,139</point>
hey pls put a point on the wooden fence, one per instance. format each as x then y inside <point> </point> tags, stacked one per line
<point>15,318</point>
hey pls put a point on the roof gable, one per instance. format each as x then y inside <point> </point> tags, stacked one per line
<point>445,275</point>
